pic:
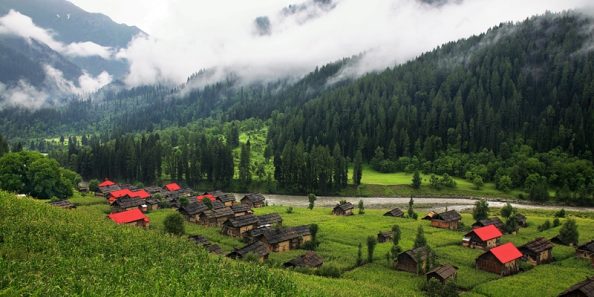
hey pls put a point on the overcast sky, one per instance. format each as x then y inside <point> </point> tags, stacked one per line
<point>186,36</point>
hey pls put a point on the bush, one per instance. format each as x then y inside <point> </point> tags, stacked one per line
<point>569,233</point>
<point>545,226</point>
<point>290,209</point>
<point>94,185</point>
<point>480,210</point>
<point>560,213</point>
<point>174,224</point>
<point>328,271</point>
<point>556,222</point>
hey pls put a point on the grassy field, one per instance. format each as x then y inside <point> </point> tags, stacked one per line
<point>339,237</point>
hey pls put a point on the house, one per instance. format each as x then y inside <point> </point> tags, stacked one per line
<point>226,199</point>
<point>154,190</point>
<point>270,220</point>
<point>83,187</point>
<point>483,237</point>
<point>104,191</point>
<point>217,204</point>
<point>429,216</point>
<point>538,251</point>
<point>253,200</point>
<point>192,211</point>
<point>241,210</point>
<point>203,242</point>
<point>443,273</point>
<point>413,261</point>
<point>280,240</point>
<point>503,260</point>
<point>238,226</point>
<point>126,203</point>
<point>172,187</point>
<point>581,289</point>
<point>141,194</point>
<point>343,209</point>
<point>384,236</point>
<point>490,221</point>
<point>522,220</point>
<point>585,251</point>
<point>63,204</point>
<point>130,217</point>
<point>216,217</point>
<point>310,259</point>
<point>106,183</point>
<point>396,212</point>
<point>256,248</point>
<point>152,203</point>
<point>206,196</point>
<point>447,220</point>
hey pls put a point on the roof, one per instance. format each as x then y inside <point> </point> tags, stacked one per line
<point>217,204</point>
<point>256,247</point>
<point>240,208</point>
<point>214,248</point>
<point>420,252</point>
<point>385,234</point>
<point>127,202</point>
<point>172,187</point>
<point>254,197</point>
<point>199,240</point>
<point>142,194</point>
<point>486,233</point>
<point>106,183</point>
<point>218,213</point>
<point>273,236</point>
<point>505,253</point>
<point>309,259</point>
<point>448,216</point>
<point>128,216</point>
<point>444,271</point>
<point>242,221</point>
<point>589,246</point>
<point>270,219</point>
<point>585,287</point>
<point>344,206</point>
<point>209,196</point>
<point>538,245</point>
<point>490,221</point>
<point>193,208</point>
<point>153,190</point>
<point>396,212</point>
<point>109,189</point>
<point>63,204</point>
<point>223,197</point>
<point>429,215</point>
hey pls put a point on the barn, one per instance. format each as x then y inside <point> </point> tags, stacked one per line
<point>503,260</point>
<point>443,273</point>
<point>483,237</point>
<point>539,251</point>
<point>447,220</point>
<point>130,217</point>
<point>343,209</point>
<point>413,261</point>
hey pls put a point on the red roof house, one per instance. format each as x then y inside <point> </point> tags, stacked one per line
<point>133,217</point>
<point>208,196</point>
<point>172,187</point>
<point>113,196</point>
<point>106,183</point>
<point>483,237</point>
<point>503,260</point>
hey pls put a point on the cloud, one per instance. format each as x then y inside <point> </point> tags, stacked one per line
<point>22,95</point>
<point>86,82</point>
<point>15,23</point>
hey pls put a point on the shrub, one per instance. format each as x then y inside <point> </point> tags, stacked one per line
<point>174,224</point>
<point>371,242</point>
<point>545,226</point>
<point>416,180</point>
<point>312,199</point>
<point>560,213</point>
<point>556,222</point>
<point>569,233</point>
<point>361,207</point>
<point>329,271</point>
<point>290,209</point>
<point>481,210</point>
<point>94,185</point>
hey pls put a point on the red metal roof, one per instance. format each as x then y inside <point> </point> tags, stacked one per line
<point>106,183</point>
<point>142,194</point>
<point>209,196</point>
<point>506,252</point>
<point>488,232</point>
<point>172,187</point>
<point>128,216</point>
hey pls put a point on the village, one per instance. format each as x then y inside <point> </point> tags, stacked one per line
<point>265,234</point>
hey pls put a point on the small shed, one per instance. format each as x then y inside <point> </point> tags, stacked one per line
<point>384,236</point>
<point>539,251</point>
<point>503,260</point>
<point>522,220</point>
<point>216,217</point>
<point>495,221</point>
<point>581,289</point>
<point>429,216</point>
<point>192,211</point>
<point>413,260</point>
<point>310,259</point>
<point>483,237</point>
<point>443,273</point>
<point>585,251</point>
<point>239,226</point>
<point>447,220</point>
<point>343,209</point>
<point>270,220</point>
<point>396,212</point>
<point>241,210</point>
<point>225,198</point>
<point>257,248</point>
<point>130,217</point>
<point>63,204</point>
<point>253,200</point>
<point>280,240</point>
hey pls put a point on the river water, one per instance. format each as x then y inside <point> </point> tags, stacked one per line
<point>437,204</point>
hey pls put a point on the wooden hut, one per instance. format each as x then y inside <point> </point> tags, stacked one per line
<point>225,198</point>
<point>581,289</point>
<point>396,212</point>
<point>192,211</point>
<point>490,221</point>
<point>63,204</point>
<point>343,209</point>
<point>483,237</point>
<point>447,220</point>
<point>241,210</point>
<point>83,187</point>
<point>216,217</point>
<point>253,200</point>
<point>130,217</point>
<point>257,248</point>
<point>443,273</point>
<point>538,251</point>
<point>280,240</point>
<point>503,260</point>
<point>310,259</point>
<point>585,251</point>
<point>238,226</point>
<point>384,236</point>
<point>152,203</point>
<point>413,261</point>
<point>429,216</point>
<point>270,220</point>
<point>126,203</point>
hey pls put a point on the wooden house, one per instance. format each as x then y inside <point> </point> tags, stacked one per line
<point>154,190</point>
<point>210,197</point>
<point>396,212</point>
<point>253,200</point>
<point>225,198</point>
<point>106,183</point>
<point>429,216</point>
<point>104,191</point>
<point>413,261</point>
<point>218,204</point>
<point>581,289</point>
<point>280,240</point>
<point>130,217</point>
<point>241,210</point>
<point>270,220</point>
<point>63,204</point>
<point>140,194</point>
<point>126,203</point>
<point>483,237</point>
<point>503,260</point>
<point>216,217</point>
<point>152,203</point>
<point>343,209</point>
<point>443,273</point>
<point>585,251</point>
<point>447,220</point>
<point>538,251</point>
<point>495,221</point>
<point>257,248</point>
<point>238,226</point>
<point>192,211</point>
<point>310,259</point>
<point>172,187</point>
<point>522,220</point>
<point>384,236</point>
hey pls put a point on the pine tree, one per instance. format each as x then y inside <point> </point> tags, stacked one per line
<point>481,210</point>
<point>416,180</point>
<point>361,207</point>
<point>420,240</point>
<point>569,233</point>
<point>371,242</point>
<point>358,168</point>
<point>245,174</point>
